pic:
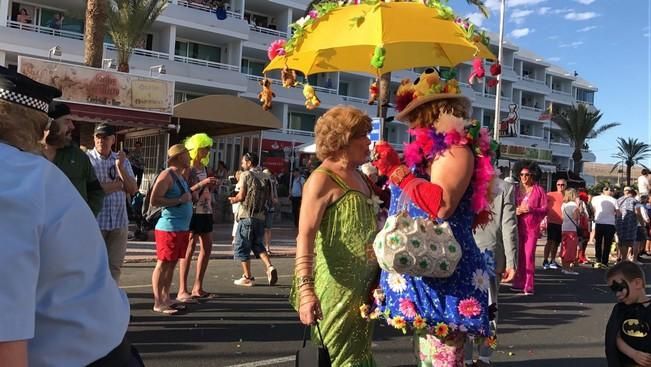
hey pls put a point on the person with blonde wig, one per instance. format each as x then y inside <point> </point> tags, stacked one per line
<point>63,306</point>
<point>201,225</point>
<point>335,265</point>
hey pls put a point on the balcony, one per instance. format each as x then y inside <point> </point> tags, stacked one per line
<point>264,36</point>
<point>34,40</point>
<point>532,85</point>
<point>529,113</point>
<point>559,96</point>
<point>198,17</point>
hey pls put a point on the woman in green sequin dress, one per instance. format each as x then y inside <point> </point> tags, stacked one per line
<point>336,267</point>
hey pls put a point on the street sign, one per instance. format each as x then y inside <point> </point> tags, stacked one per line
<point>376,130</point>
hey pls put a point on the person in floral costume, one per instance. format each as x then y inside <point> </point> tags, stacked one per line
<point>448,175</point>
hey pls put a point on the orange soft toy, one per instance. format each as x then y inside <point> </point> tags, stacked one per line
<point>266,95</point>
<point>373,92</point>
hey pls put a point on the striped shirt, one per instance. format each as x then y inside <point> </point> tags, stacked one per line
<point>114,211</point>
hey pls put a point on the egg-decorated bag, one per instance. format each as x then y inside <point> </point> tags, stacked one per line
<point>416,246</point>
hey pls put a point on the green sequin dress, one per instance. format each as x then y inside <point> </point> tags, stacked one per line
<point>345,270</point>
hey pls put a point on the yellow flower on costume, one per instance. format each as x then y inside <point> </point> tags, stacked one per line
<point>441,330</point>
<point>419,323</point>
<point>399,322</point>
<point>363,310</point>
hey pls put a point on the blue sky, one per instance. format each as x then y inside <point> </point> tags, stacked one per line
<point>606,41</point>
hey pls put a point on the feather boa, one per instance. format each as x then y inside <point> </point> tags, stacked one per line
<point>428,145</point>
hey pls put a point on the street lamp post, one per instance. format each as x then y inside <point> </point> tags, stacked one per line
<point>498,90</point>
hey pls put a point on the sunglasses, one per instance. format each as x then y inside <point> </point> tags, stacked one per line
<point>525,174</point>
<point>617,287</point>
<point>562,185</point>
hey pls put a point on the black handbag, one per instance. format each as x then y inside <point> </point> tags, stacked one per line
<point>311,355</point>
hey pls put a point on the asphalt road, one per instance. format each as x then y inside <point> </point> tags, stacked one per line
<point>561,325</point>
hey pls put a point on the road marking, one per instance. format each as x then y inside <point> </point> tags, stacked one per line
<point>135,286</point>
<point>266,362</point>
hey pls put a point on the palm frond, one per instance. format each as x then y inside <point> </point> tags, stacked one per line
<point>480,6</point>
<point>129,21</point>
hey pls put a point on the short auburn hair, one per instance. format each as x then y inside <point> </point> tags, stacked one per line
<point>428,113</point>
<point>337,127</point>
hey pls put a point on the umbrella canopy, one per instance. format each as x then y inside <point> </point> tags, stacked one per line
<point>395,35</point>
<point>306,148</point>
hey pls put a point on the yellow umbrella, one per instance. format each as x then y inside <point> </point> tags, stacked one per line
<point>410,34</point>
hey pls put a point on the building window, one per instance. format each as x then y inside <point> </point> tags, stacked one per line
<point>301,121</point>
<point>585,95</point>
<point>197,51</point>
<point>343,88</point>
<point>252,67</point>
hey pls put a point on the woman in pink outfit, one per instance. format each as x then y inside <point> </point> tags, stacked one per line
<point>531,202</point>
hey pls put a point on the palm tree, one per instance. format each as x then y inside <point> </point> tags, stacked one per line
<point>631,151</point>
<point>95,29</point>
<point>578,124</point>
<point>128,22</point>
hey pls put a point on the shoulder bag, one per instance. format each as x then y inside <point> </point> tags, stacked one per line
<point>416,246</point>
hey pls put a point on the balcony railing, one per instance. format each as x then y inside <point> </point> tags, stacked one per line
<point>270,31</point>
<point>525,135</point>
<point>142,52</point>
<point>210,64</point>
<point>279,82</point>
<point>45,30</point>
<point>207,9</point>
<point>528,79</point>
<point>293,132</point>
<point>554,91</point>
<point>528,108</point>
<point>354,99</point>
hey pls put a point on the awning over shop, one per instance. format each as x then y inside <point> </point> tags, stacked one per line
<point>221,115</point>
<point>118,116</point>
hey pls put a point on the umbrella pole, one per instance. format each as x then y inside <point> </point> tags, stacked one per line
<point>498,90</point>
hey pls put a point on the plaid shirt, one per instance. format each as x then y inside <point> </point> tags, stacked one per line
<point>114,211</point>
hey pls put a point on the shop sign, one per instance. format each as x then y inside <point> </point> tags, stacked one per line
<point>520,152</point>
<point>82,84</point>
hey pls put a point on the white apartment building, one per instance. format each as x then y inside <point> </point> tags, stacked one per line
<point>204,55</point>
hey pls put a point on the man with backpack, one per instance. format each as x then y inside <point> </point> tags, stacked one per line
<point>253,197</point>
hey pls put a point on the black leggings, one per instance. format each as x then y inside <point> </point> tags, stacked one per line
<point>603,236</point>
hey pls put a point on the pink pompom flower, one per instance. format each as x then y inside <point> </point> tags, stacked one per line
<point>276,48</point>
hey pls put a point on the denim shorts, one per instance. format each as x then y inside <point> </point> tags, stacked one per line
<point>248,237</point>
<point>268,220</point>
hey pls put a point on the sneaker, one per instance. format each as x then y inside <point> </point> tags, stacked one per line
<point>569,272</point>
<point>272,275</point>
<point>545,264</point>
<point>553,265</point>
<point>244,281</point>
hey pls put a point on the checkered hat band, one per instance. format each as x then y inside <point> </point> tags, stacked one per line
<point>24,100</point>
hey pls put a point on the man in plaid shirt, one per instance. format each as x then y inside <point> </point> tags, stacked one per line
<point>114,173</point>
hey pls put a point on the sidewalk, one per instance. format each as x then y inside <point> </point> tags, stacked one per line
<point>283,244</point>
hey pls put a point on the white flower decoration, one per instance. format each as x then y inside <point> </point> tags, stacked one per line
<point>397,282</point>
<point>301,22</point>
<point>481,280</point>
<point>375,201</point>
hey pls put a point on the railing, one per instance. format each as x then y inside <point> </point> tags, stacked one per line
<point>210,64</point>
<point>293,132</point>
<point>141,52</point>
<point>354,99</point>
<point>491,95</point>
<point>270,31</point>
<point>524,135</point>
<point>526,78</point>
<point>528,108</point>
<point>45,30</point>
<point>279,82</point>
<point>561,92</point>
<point>205,8</point>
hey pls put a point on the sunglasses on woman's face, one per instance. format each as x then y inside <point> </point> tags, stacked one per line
<point>525,174</point>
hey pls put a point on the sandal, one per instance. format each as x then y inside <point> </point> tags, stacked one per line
<point>166,310</point>
<point>187,300</point>
<point>205,295</point>
<point>177,306</point>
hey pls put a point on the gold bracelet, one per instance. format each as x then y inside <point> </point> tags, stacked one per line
<point>306,279</point>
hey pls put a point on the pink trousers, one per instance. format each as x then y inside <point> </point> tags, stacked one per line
<point>527,238</point>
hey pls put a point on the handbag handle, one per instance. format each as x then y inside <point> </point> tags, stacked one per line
<point>318,329</point>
